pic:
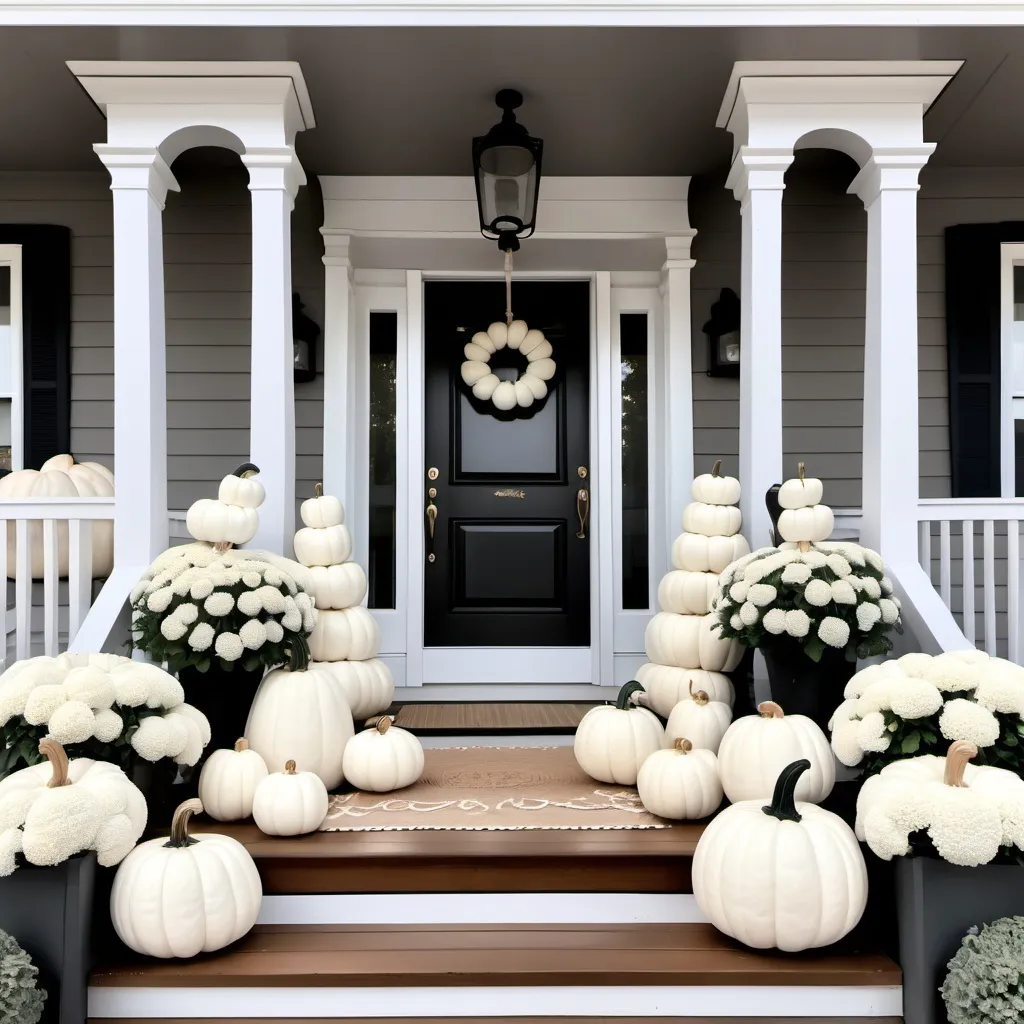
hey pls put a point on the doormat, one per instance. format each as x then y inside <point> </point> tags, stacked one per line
<point>491,717</point>
<point>494,788</point>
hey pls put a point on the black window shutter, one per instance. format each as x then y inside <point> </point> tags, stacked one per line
<point>46,313</point>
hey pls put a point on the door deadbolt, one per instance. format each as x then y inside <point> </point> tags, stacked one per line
<point>581,472</point>
<point>432,473</point>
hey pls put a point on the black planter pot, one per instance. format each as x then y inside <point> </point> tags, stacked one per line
<point>805,687</point>
<point>937,903</point>
<point>225,698</point>
<point>49,911</point>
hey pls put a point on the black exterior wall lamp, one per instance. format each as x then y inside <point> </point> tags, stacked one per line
<point>723,331</point>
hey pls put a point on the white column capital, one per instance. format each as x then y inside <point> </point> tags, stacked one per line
<point>274,169</point>
<point>760,170</point>
<point>136,167</point>
<point>337,245</point>
<point>677,252</point>
<point>890,170</point>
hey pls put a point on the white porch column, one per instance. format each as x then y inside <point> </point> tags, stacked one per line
<point>757,180</point>
<point>274,179</point>
<point>339,320</point>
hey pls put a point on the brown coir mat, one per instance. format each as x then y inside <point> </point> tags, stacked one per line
<point>494,788</point>
<point>491,717</point>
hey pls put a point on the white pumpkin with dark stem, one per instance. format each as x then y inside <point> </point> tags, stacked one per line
<point>680,782</point>
<point>667,685</point>
<point>714,489</point>
<point>182,895</point>
<point>290,803</point>
<point>228,781</point>
<point>613,740</point>
<point>757,747</point>
<point>226,523</point>
<point>786,876</point>
<point>381,759</point>
<point>700,719</point>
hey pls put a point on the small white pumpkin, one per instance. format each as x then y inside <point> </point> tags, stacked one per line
<point>687,593</point>
<point>322,511</point>
<point>381,759</point>
<point>290,803</point>
<point>700,719</point>
<point>368,685</point>
<point>690,641</point>
<point>808,525</point>
<point>183,895</point>
<point>714,489</point>
<point>211,520</point>
<point>347,634</point>
<point>242,487</point>
<point>757,747</point>
<point>696,553</point>
<point>228,781</point>
<point>327,546</point>
<point>712,520</point>
<point>803,492</point>
<point>337,586</point>
<point>788,875</point>
<point>667,685</point>
<point>613,740</point>
<point>680,783</point>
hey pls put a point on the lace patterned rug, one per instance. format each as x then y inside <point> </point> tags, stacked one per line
<point>494,788</point>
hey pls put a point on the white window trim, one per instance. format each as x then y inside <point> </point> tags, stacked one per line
<point>1011,254</point>
<point>10,256</point>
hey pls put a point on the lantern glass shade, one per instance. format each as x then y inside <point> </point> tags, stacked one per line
<point>729,349</point>
<point>300,350</point>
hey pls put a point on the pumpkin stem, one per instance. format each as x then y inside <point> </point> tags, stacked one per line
<point>700,697</point>
<point>801,469</point>
<point>241,744</point>
<point>318,490</point>
<point>383,724</point>
<point>769,709</point>
<point>804,545</point>
<point>783,805</point>
<point>179,837</point>
<point>683,745</point>
<point>624,699</point>
<point>58,758</point>
<point>289,767</point>
<point>716,469</point>
<point>957,756</point>
<point>246,469</point>
<point>298,649</point>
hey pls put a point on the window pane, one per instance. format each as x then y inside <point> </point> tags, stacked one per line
<point>635,568</point>
<point>383,355</point>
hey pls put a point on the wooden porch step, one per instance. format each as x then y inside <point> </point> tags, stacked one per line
<point>492,718</point>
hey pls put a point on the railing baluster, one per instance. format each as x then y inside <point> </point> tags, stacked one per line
<point>945,588</point>
<point>51,605</point>
<point>23,591</point>
<point>924,534</point>
<point>79,574</point>
<point>989,584</point>
<point>3,579</point>
<point>968,562</point>
<point>1013,590</point>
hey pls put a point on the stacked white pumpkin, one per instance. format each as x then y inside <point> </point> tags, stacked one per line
<point>346,639</point>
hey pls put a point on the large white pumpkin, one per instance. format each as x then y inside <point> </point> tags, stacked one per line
<point>711,520</point>
<point>690,641</point>
<point>756,748</point>
<point>700,720</point>
<point>787,876</point>
<point>60,477</point>
<point>680,782</point>
<point>381,759</point>
<point>327,546</point>
<point>714,489</point>
<point>337,586</point>
<point>301,716</point>
<point>809,525</point>
<point>349,634</point>
<point>322,511</point>
<point>613,740</point>
<point>228,781</point>
<point>290,803</point>
<point>368,685</point>
<point>667,685</point>
<point>185,895</point>
<point>687,593</point>
<point>696,553</point>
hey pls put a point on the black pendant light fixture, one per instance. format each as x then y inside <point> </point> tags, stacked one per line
<point>506,167</point>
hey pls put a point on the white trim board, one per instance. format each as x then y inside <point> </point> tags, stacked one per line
<point>604,1001</point>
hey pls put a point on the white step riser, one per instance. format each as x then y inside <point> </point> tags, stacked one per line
<point>498,740</point>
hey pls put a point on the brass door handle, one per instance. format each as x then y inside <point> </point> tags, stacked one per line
<point>431,518</point>
<point>582,511</point>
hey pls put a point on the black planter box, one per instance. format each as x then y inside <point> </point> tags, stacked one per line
<point>937,903</point>
<point>49,911</point>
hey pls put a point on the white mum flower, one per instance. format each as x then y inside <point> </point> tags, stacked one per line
<point>183,583</point>
<point>845,743</point>
<point>252,579</point>
<point>915,698</point>
<point>303,603</point>
<point>736,622</point>
<point>249,603</point>
<point>1001,693</point>
<point>201,588</point>
<point>843,593</point>
<point>173,628</point>
<point>131,691</point>
<point>108,726</point>
<point>219,604</point>
<point>856,582</point>
<point>886,584</point>
<point>72,722</point>
<point>797,573</point>
<point>861,681</point>
<point>232,575</point>
<point>815,559</point>
<point>188,613</point>
<point>198,717</point>
<point>42,702</point>
<point>275,632</point>
<point>749,614</point>
<point>229,646</point>
<point>818,593</point>
<point>11,844</point>
<point>872,735</point>
<point>160,599</point>
<point>253,635</point>
<point>193,748</point>
<point>91,686</point>
<point>952,675</point>
<point>867,615</point>
<point>273,600</point>
<point>964,720</point>
<point>877,696</point>
<point>137,591</point>
<point>292,619</point>
<point>164,690</point>
<point>762,594</point>
<point>309,619</point>
<point>835,632</point>
<point>756,571</point>
<point>798,623</point>
<point>775,621</point>
<point>839,565</point>
<point>874,559</point>
<point>871,587</point>
<point>156,737</point>
<point>738,591</point>
<point>273,577</point>
<point>890,613</point>
<point>201,637</point>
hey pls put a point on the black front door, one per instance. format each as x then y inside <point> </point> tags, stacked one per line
<point>509,562</point>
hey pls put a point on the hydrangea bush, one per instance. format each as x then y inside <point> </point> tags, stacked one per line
<point>832,595</point>
<point>21,999</point>
<point>197,607</point>
<point>985,983</point>
<point>100,706</point>
<point>918,704</point>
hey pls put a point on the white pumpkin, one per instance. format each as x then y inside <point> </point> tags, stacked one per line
<point>714,489</point>
<point>182,895</point>
<point>696,553</point>
<point>808,525</point>
<point>368,685</point>
<point>803,492</point>
<point>60,477</point>
<point>712,520</point>
<point>348,634</point>
<point>667,685</point>
<point>681,782</point>
<point>327,546</point>
<point>382,758</point>
<point>337,586</point>
<point>690,641</point>
<point>757,747</point>
<point>687,593</point>
<point>228,781</point>
<point>700,720</point>
<point>211,520</point>
<point>787,876</point>
<point>290,803</point>
<point>613,740</point>
<point>302,716</point>
<point>242,487</point>
<point>322,511</point>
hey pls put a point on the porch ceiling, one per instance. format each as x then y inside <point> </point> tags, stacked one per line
<point>407,101</point>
